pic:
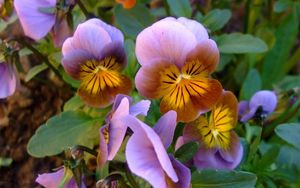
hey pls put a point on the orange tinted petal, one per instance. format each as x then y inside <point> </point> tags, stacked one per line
<point>207,53</point>
<point>127,3</point>
<point>192,130</point>
<point>105,97</point>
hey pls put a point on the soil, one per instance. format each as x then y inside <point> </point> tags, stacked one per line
<point>20,116</point>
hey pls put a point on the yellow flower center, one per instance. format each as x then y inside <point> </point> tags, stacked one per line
<point>178,86</point>
<point>217,133</point>
<point>96,75</point>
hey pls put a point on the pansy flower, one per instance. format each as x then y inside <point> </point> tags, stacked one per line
<point>95,55</point>
<point>61,178</point>
<point>220,147</point>
<point>8,80</point>
<point>39,17</point>
<point>147,157</point>
<point>127,3</point>
<point>177,58</point>
<point>264,100</point>
<point>113,132</point>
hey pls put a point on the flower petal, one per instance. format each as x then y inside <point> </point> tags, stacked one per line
<point>154,160</point>
<point>103,151</point>
<point>117,128</point>
<point>243,108</point>
<point>50,180</point>
<point>207,53</point>
<point>165,127</point>
<point>118,100</point>
<point>183,173</point>
<point>195,27</point>
<point>266,99</point>
<point>114,33</point>
<point>60,32</point>
<point>8,80</point>
<point>35,24</point>
<point>140,108</point>
<point>191,131</point>
<point>164,41</point>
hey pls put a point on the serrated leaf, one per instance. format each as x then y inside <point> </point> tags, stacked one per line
<point>251,84</point>
<point>180,8</point>
<point>223,179</point>
<point>134,20</point>
<point>216,19</point>
<point>34,71</point>
<point>63,131</point>
<point>187,151</point>
<point>237,43</point>
<point>290,133</point>
<point>273,68</point>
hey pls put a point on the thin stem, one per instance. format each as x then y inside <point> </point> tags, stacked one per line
<point>86,149</point>
<point>40,56</point>
<point>130,178</point>
<point>83,9</point>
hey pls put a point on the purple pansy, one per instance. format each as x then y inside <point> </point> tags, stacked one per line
<point>220,146</point>
<point>8,80</point>
<point>54,180</point>
<point>147,157</point>
<point>95,56</point>
<point>265,99</point>
<point>177,58</point>
<point>36,23</point>
<point>112,134</point>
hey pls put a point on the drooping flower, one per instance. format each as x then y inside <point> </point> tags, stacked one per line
<point>95,56</point>
<point>59,178</point>
<point>147,157</point>
<point>39,17</point>
<point>264,100</point>
<point>220,147</point>
<point>113,132</point>
<point>177,58</point>
<point>127,3</point>
<point>8,80</point>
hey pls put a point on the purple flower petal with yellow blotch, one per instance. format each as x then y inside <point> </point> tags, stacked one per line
<point>8,80</point>
<point>147,157</point>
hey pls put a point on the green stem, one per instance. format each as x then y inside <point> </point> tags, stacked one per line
<point>167,8</point>
<point>86,149</point>
<point>83,9</point>
<point>130,178</point>
<point>40,56</point>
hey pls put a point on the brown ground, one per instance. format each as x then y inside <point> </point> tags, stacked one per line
<point>20,115</point>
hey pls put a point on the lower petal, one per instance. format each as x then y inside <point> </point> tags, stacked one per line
<point>8,80</point>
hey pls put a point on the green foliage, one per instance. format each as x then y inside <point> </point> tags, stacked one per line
<point>180,8</point>
<point>223,179</point>
<point>289,133</point>
<point>216,19</point>
<point>35,70</point>
<point>274,62</point>
<point>237,43</point>
<point>187,151</point>
<point>251,84</point>
<point>73,103</point>
<point>134,20</point>
<point>5,161</point>
<point>62,132</point>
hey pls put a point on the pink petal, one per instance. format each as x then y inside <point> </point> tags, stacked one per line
<point>50,180</point>
<point>103,151</point>
<point>60,32</point>
<point>165,127</point>
<point>183,173</point>
<point>35,24</point>
<point>8,80</point>
<point>165,40</point>
<point>140,108</point>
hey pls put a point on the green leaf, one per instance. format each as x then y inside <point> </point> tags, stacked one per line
<point>274,62</point>
<point>223,179</point>
<point>290,133</point>
<point>180,8</point>
<point>73,104</point>
<point>35,70</point>
<point>216,19</point>
<point>70,80</point>
<point>62,132</point>
<point>187,151</point>
<point>132,66</point>
<point>134,20</point>
<point>5,161</point>
<point>237,43</point>
<point>251,84</point>
<point>289,82</point>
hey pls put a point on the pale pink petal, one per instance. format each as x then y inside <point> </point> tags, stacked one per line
<point>8,80</point>
<point>164,41</point>
<point>140,108</point>
<point>50,180</point>
<point>183,173</point>
<point>103,151</point>
<point>35,24</point>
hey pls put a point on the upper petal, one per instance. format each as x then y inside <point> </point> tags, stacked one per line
<point>140,108</point>
<point>183,173</point>
<point>35,23</point>
<point>165,127</point>
<point>114,33</point>
<point>243,108</point>
<point>165,40</point>
<point>8,80</point>
<point>266,99</point>
<point>145,139</point>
